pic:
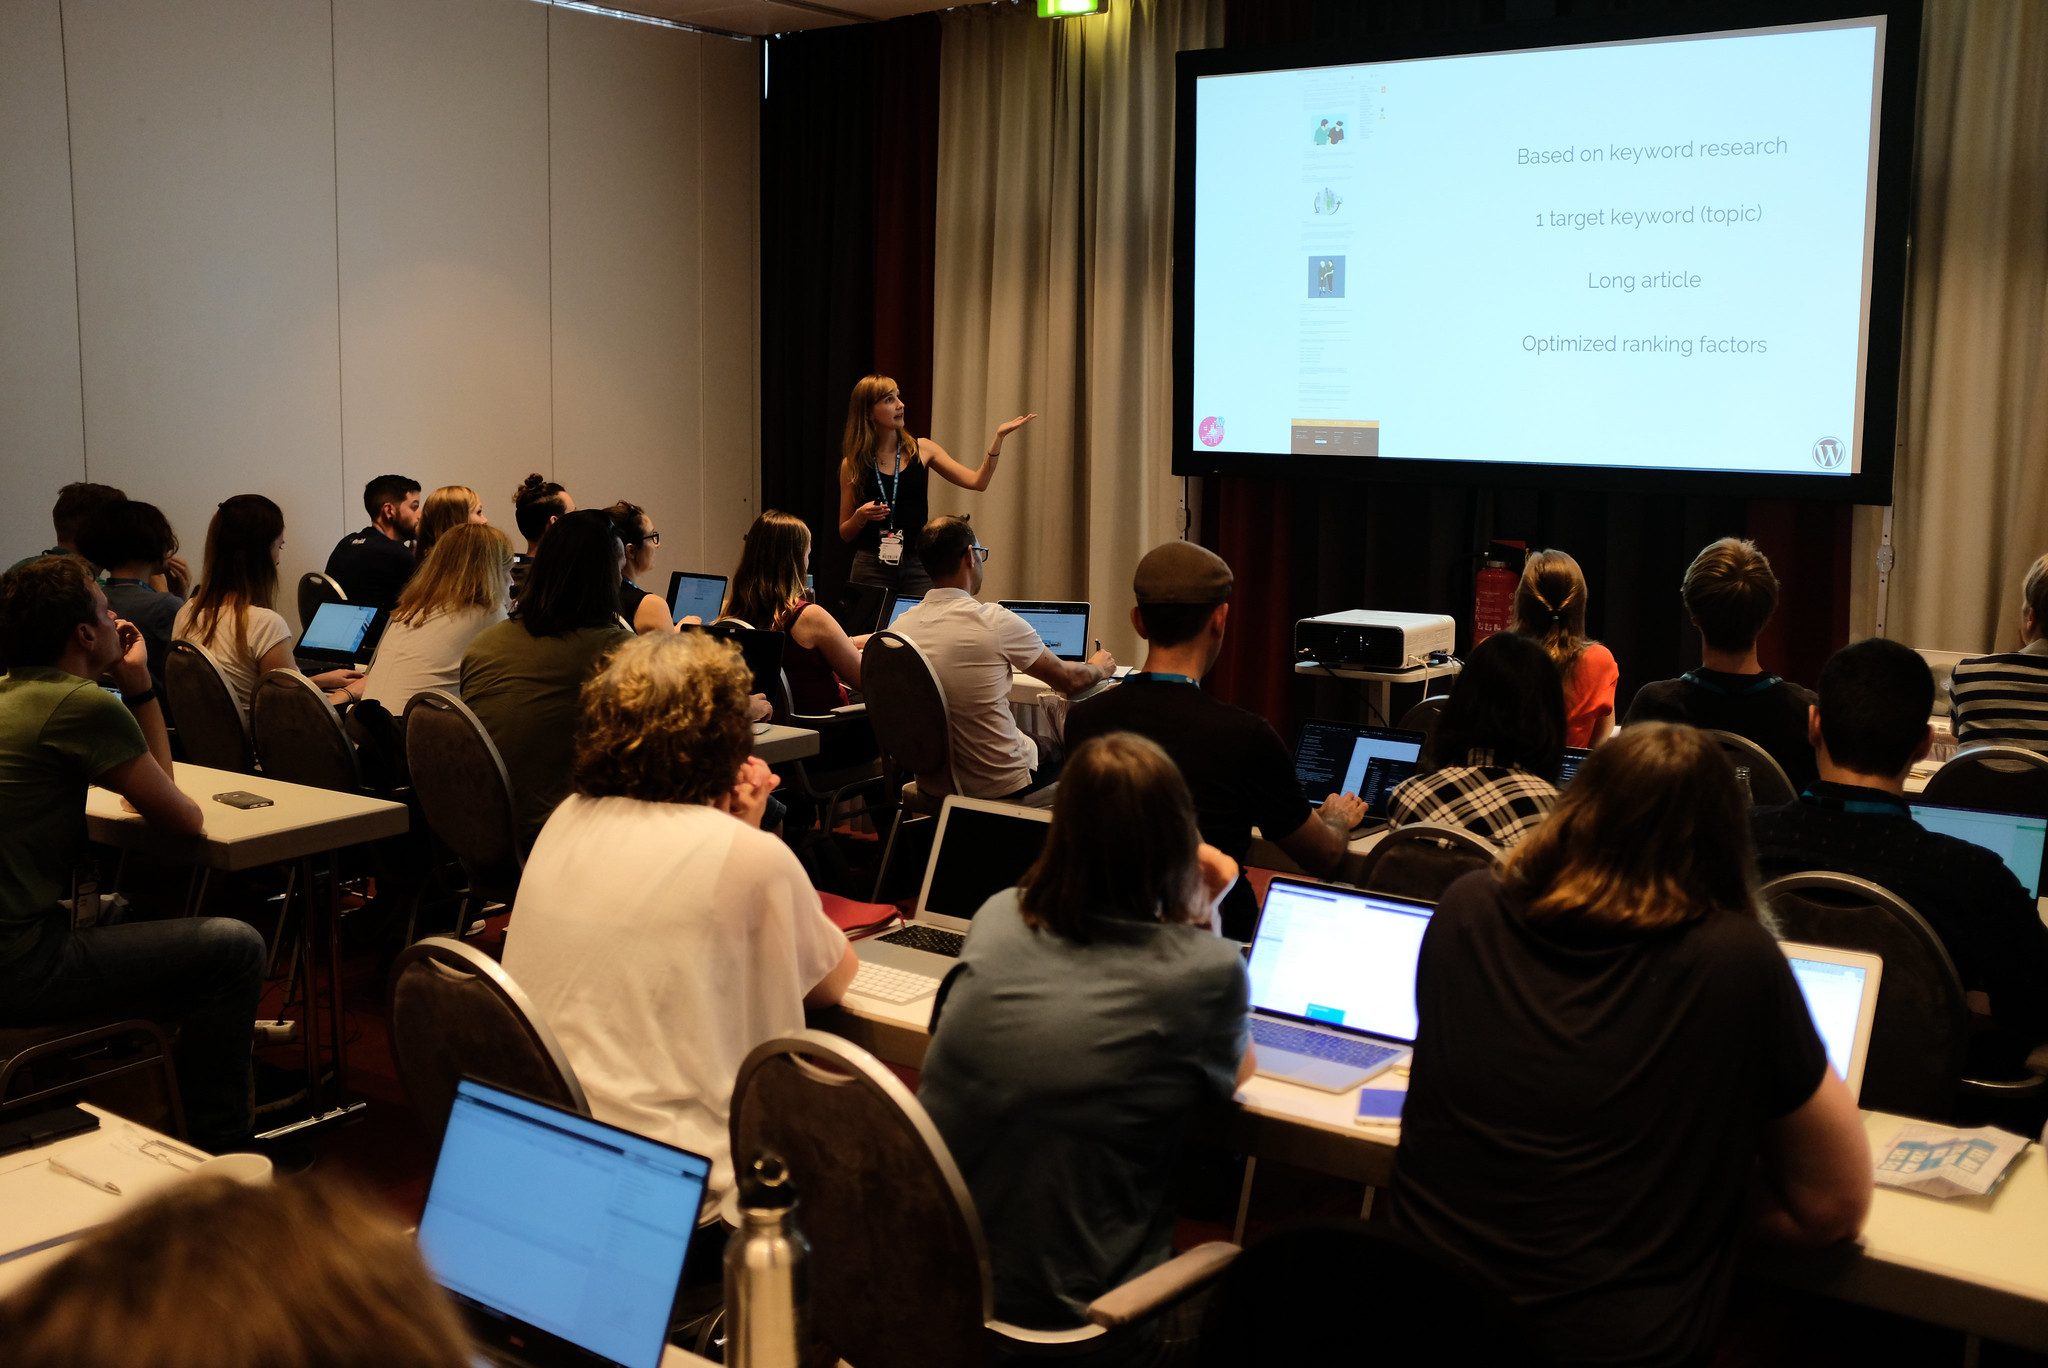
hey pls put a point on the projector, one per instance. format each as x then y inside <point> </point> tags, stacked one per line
<point>1362,639</point>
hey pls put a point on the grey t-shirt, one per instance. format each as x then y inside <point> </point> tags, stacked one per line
<point>1063,1077</point>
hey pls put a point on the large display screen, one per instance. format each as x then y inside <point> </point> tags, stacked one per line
<point>1654,256</point>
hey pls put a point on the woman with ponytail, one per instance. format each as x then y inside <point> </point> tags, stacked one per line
<point>1550,609</point>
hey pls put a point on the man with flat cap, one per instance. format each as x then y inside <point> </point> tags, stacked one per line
<point>1236,767</point>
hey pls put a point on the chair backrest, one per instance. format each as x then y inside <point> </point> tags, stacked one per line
<point>1986,775</point>
<point>463,789</point>
<point>907,705</point>
<point>1922,1028</point>
<point>299,736</point>
<point>1291,1299</point>
<point>1422,717</point>
<point>314,590</point>
<point>900,1277</point>
<point>211,726</point>
<point>1423,859</point>
<point>1769,785</point>
<point>455,1012</point>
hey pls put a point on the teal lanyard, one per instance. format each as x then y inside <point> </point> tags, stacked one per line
<point>1159,677</point>
<point>1763,682</point>
<point>895,481</point>
<point>1861,805</point>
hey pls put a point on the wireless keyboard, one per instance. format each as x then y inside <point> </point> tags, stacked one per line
<point>1338,1049</point>
<point>892,985</point>
<point>930,938</point>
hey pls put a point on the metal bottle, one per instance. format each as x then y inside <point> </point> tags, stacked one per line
<point>766,1273</point>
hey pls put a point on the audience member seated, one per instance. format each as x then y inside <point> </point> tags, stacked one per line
<point>211,1273</point>
<point>1491,767</point>
<point>75,503</point>
<point>536,505</point>
<point>59,733</point>
<point>2004,698</point>
<point>232,617</point>
<point>1094,1012</point>
<point>521,677</point>
<point>133,543</point>
<point>661,933</point>
<point>1550,609</point>
<point>768,591</point>
<point>372,565</point>
<point>975,649</point>
<point>646,610</point>
<point>447,507</point>
<point>1615,1070</point>
<point>459,591</point>
<point>1730,593</point>
<point>1234,763</point>
<point>1868,729</point>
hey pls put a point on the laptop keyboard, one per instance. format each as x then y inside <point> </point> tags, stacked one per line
<point>930,938</point>
<point>892,985</point>
<point>1338,1049</point>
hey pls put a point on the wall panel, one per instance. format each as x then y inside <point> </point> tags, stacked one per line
<point>729,322</point>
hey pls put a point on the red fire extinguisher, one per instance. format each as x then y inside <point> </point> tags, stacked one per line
<point>1493,592</point>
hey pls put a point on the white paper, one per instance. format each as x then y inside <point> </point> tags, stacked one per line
<point>1945,1162</point>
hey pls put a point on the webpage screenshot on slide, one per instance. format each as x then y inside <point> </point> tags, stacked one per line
<point>1651,254</point>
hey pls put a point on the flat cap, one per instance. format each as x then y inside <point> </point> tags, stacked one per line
<point>1182,572</point>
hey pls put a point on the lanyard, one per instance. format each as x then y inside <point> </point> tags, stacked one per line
<point>1762,682</point>
<point>1868,807</point>
<point>895,480</point>
<point>1158,677</point>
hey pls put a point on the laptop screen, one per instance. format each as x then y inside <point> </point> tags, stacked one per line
<point>978,854</point>
<point>902,604</point>
<point>1573,758</point>
<point>1339,957</point>
<point>1343,757</point>
<point>1063,627</point>
<point>541,1218</point>
<point>1834,998</point>
<point>699,596</point>
<point>339,628</point>
<point>2014,837</point>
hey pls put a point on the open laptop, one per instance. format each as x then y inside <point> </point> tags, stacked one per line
<point>898,606</point>
<point>1840,988</point>
<point>698,596</point>
<point>2018,838</point>
<point>341,635</point>
<point>1574,757</point>
<point>979,849</point>
<point>1063,627</point>
<point>562,1239</point>
<point>1333,983</point>
<point>762,650</point>
<point>1346,757</point>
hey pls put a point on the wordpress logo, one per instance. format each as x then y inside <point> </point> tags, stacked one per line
<point>1830,452</point>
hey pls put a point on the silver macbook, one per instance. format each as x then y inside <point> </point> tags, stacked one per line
<point>980,848</point>
<point>1063,627</point>
<point>1333,983</point>
<point>1348,757</point>
<point>1840,988</point>
<point>698,596</point>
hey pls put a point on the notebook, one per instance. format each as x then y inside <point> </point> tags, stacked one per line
<point>900,605</point>
<point>1345,757</point>
<point>1840,988</point>
<point>342,634</point>
<point>1063,627</point>
<point>562,1239</point>
<point>698,596</point>
<point>2020,839</point>
<point>1573,758</point>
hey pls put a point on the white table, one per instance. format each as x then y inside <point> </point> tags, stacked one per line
<point>1383,681</point>
<point>780,743</point>
<point>301,822</point>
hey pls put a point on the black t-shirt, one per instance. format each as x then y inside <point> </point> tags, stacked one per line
<point>1584,1111</point>
<point>1240,774</point>
<point>910,510</point>
<point>1773,716</point>
<point>371,567</point>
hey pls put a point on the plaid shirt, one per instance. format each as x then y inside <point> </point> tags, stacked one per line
<point>1500,802</point>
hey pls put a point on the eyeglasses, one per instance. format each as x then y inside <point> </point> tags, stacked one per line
<point>652,539</point>
<point>981,553</point>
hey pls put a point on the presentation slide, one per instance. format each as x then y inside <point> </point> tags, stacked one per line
<point>1652,254</point>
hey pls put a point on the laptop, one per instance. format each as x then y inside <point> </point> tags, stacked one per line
<point>562,1239</point>
<point>1574,757</point>
<point>1333,983</point>
<point>1063,627</point>
<point>1840,988</point>
<point>341,635</point>
<point>2018,838</point>
<point>898,606</point>
<point>1345,757</point>
<point>698,596</point>
<point>979,849</point>
<point>762,650</point>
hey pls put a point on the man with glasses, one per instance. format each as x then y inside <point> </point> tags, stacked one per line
<point>974,648</point>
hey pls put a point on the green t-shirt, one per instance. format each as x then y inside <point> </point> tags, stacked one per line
<point>58,733</point>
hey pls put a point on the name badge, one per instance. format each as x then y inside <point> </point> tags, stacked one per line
<point>891,550</point>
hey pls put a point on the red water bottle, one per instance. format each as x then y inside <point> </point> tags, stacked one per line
<point>1493,598</point>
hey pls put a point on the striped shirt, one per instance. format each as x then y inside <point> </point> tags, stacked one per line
<point>2003,698</point>
<point>1502,803</point>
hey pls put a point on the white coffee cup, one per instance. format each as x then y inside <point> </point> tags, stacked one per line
<point>253,1169</point>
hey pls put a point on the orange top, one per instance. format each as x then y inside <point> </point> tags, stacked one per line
<point>1589,694</point>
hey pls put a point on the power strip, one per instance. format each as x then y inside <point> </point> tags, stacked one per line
<point>280,1032</point>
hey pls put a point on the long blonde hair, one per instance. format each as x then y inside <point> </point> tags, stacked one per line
<point>857,443</point>
<point>469,567</point>
<point>768,584</point>
<point>447,507</point>
<point>1550,607</point>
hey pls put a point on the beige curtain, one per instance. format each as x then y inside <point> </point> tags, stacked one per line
<point>1054,268</point>
<point>1971,494</point>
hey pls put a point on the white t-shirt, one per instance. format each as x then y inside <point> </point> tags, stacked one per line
<point>267,629</point>
<point>661,942</point>
<point>412,656</point>
<point>975,648</point>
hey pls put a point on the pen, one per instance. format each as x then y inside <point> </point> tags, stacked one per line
<point>1098,643</point>
<point>102,1184</point>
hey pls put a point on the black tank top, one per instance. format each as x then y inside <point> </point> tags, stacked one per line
<point>910,494</point>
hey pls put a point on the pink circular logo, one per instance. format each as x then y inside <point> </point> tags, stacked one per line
<point>1211,432</point>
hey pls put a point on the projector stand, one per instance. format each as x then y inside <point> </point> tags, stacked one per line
<point>1382,694</point>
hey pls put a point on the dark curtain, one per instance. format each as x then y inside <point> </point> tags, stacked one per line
<point>849,186</point>
<point>1301,547</point>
